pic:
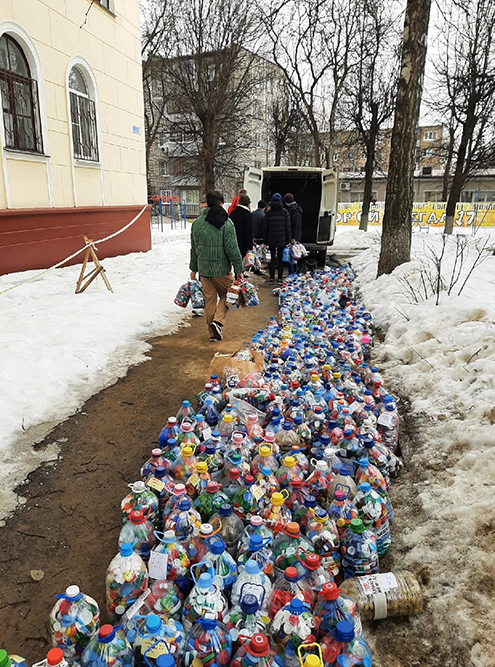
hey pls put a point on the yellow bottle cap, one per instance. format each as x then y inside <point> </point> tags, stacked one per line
<point>289,462</point>
<point>228,418</point>
<point>265,450</point>
<point>312,661</point>
<point>314,377</point>
<point>336,375</point>
<point>202,467</point>
<point>326,367</point>
<point>277,499</point>
<point>187,451</point>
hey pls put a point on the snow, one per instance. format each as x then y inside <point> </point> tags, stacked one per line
<point>442,358</point>
<point>58,348</point>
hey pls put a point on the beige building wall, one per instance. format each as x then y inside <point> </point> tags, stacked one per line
<point>56,34</point>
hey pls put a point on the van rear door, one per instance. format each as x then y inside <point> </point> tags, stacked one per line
<point>253,181</point>
<point>328,208</point>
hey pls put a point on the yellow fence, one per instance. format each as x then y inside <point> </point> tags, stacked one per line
<point>424,214</point>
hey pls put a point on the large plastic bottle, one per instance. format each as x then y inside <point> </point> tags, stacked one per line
<point>264,458</point>
<point>277,515</point>
<point>331,607</point>
<point>233,482</point>
<point>318,482</point>
<point>288,586</point>
<point>224,565</point>
<point>156,459</point>
<point>313,571</point>
<point>288,471</point>
<point>197,547</point>
<point>253,574</point>
<point>359,552</point>
<point>109,648</point>
<point>367,472</point>
<point>208,644</point>
<point>126,580</point>
<point>139,532</point>
<point>286,544</point>
<point>140,498</point>
<point>343,647</point>
<point>231,527</point>
<point>171,430</point>
<point>74,619</point>
<point>268,484</point>
<point>372,510</point>
<point>287,437</point>
<point>204,598</point>
<point>185,411</point>
<point>184,520</point>
<point>213,457</point>
<point>293,623</point>
<point>255,651</point>
<point>388,426</point>
<point>210,412</point>
<point>152,636</point>
<point>209,500</point>
<point>198,480</point>
<point>187,435</point>
<point>344,479</point>
<point>54,658</point>
<point>254,429</point>
<point>184,465</point>
<point>177,559</point>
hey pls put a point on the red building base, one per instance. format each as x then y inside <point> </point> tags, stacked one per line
<point>40,238</point>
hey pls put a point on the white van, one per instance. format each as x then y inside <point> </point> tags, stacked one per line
<point>314,189</point>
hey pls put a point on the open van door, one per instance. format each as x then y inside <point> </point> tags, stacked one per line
<point>328,209</point>
<point>253,182</point>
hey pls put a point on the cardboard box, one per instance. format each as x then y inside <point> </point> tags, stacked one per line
<point>224,365</point>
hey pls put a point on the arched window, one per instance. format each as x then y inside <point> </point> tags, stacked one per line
<point>83,116</point>
<point>20,104</point>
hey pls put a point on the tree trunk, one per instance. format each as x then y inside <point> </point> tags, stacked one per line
<point>448,164</point>
<point>454,196</point>
<point>278,153</point>
<point>368,169</point>
<point>397,219</point>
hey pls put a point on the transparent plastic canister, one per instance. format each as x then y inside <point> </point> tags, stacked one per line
<point>74,619</point>
<point>385,595</point>
<point>109,648</point>
<point>126,579</point>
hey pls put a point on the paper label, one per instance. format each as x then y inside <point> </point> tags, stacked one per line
<point>354,406</point>
<point>257,492</point>
<point>372,586</point>
<point>385,419</point>
<point>133,610</point>
<point>156,484</point>
<point>193,480</point>
<point>157,565</point>
<point>206,433</point>
<point>160,647</point>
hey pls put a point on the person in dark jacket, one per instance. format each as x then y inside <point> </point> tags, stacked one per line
<point>242,218</point>
<point>276,234</point>
<point>295,213</point>
<point>258,215</point>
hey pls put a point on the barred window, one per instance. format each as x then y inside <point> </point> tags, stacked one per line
<point>83,117</point>
<point>20,103</point>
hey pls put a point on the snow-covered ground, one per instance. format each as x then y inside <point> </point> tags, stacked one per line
<point>57,348</point>
<point>442,357</point>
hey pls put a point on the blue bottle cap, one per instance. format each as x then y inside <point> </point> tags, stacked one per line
<point>286,426</point>
<point>310,501</point>
<point>185,404</point>
<point>255,542</point>
<point>160,471</point>
<point>296,606</point>
<point>209,400</point>
<point>252,567</point>
<point>344,631</point>
<point>249,604</point>
<point>215,434</point>
<point>217,546</point>
<point>390,407</point>
<point>363,462</point>
<point>298,420</point>
<point>365,487</point>
<point>205,580</point>
<point>153,623</point>
<point>185,504</point>
<point>165,660</point>
<point>125,549</point>
<point>225,510</point>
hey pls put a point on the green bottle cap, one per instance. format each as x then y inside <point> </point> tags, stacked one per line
<point>5,661</point>
<point>357,526</point>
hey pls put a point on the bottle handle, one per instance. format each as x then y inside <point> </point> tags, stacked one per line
<point>300,548</point>
<point>343,487</point>
<point>286,496</point>
<point>217,530</point>
<point>267,444</point>
<point>306,647</point>
<point>250,589</point>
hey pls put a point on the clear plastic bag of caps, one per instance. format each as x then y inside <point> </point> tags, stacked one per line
<point>184,521</point>
<point>293,623</point>
<point>385,595</point>
<point>183,295</point>
<point>126,579</point>
<point>286,544</point>
<point>342,646</point>
<point>139,532</point>
<point>331,607</point>
<point>140,498</point>
<point>151,636</point>
<point>109,648</point>
<point>177,559</point>
<point>209,643</point>
<point>74,619</point>
<point>205,597</point>
<point>255,650</point>
<point>11,660</point>
<point>288,586</point>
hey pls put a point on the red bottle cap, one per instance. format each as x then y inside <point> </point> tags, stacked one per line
<point>249,479</point>
<point>296,483</point>
<point>330,591</point>
<point>312,562</point>
<point>105,630</point>
<point>291,573</point>
<point>259,644</point>
<point>54,657</point>
<point>293,528</point>
<point>136,517</point>
<point>234,473</point>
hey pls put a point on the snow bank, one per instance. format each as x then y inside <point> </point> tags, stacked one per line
<point>443,359</point>
<point>57,348</point>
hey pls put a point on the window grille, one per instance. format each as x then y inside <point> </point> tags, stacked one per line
<point>83,118</point>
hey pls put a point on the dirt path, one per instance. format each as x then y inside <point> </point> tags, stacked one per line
<point>70,522</point>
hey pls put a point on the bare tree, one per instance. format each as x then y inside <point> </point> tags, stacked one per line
<point>208,83</point>
<point>284,117</point>
<point>464,85</point>
<point>371,87</point>
<point>397,219</point>
<point>314,50</point>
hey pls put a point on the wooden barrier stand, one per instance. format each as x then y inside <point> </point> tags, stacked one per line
<point>90,255</point>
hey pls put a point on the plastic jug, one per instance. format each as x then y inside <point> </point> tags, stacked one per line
<point>224,565</point>
<point>140,497</point>
<point>139,532</point>
<point>342,647</point>
<point>126,579</point>
<point>74,619</point>
<point>151,637</point>
<point>177,559</point>
<point>208,644</point>
<point>331,607</point>
<point>372,511</point>
<point>204,598</point>
<point>288,586</point>
<point>210,499</point>
<point>109,648</point>
<point>253,574</point>
<point>359,552</point>
<point>277,515</point>
<point>286,544</point>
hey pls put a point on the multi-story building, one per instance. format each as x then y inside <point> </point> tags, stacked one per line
<point>173,166</point>
<point>71,132</point>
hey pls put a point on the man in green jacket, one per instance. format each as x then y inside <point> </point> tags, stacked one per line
<point>214,251</point>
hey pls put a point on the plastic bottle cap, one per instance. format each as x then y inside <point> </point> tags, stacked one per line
<point>265,451</point>
<point>287,426</point>
<point>172,420</point>
<point>165,660</point>
<point>206,529</point>
<point>225,510</point>
<point>234,473</point>
<point>169,536</point>
<point>321,514</point>
<point>138,487</point>
<point>136,517</point>
<point>312,562</point>
<point>54,656</point>
<point>205,580</point>
<point>249,604</point>
<point>277,499</point>
<point>185,404</point>
<point>310,501</point>
<point>312,661</point>
<point>218,546</point>
<point>251,567</point>
<point>291,573</point>
<point>296,606</point>
<point>72,591</point>
<point>344,631</point>
<point>186,427</point>
<point>330,591</point>
<point>228,418</point>
<point>259,644</point>
<point>296,483</point>
<point>160,471</point>
<point>256,521</point>
<point>5,661</point>
<point>365,487</point>
<point>156,452</point>
<point>125,549</point>
<point>179,490</point>
<point>187,451</point>
<point>292,527</point>
<point>202,467</point>
<point>289,462</point>
<point>153,623</point>
<point>356,525</point>
<point>215,434</point>
<point>105,631</point>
